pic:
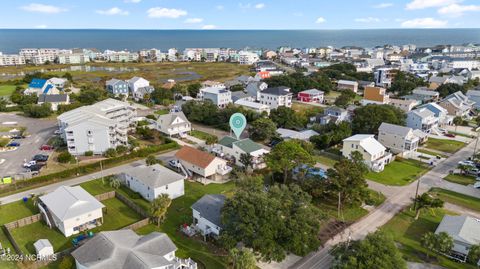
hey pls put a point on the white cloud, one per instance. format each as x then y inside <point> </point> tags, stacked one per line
<point>112,11</point>
<point>220,7</point>
<point>209,27</point>
<point>259,5</point>
<point>132,1</point>
<point>383,5</point>
<point>367,19</point>
<point>161,12</point>
<point>421,4</point>
<point>320,20</point>
<point>41,26</point>
<point>193,20</point>
<point>424,23</point>
<point>455,10</point>
<point>41,8</point>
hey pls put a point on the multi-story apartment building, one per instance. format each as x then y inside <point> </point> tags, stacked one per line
<point>97,127</point>
<point>73,58</point>
<point>248,58</point>
<point>276,97</point>
<point>11,59</point>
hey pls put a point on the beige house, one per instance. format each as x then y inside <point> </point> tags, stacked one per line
<point>405,105</point>
<point>375,95</point>
<point>374,154</point>
<point>196,162</point>
<point>398,139</point>
<point>173,124</point>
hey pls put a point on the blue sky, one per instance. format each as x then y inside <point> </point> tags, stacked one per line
<point>243,14</point>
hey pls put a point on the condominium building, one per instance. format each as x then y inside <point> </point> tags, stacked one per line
<point>74,58</point>
<point>11,59</point>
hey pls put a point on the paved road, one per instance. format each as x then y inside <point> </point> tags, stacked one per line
<point>40,131</point>
<point>79,180</point>
<point>396,200</point>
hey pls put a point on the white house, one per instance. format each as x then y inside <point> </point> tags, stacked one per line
<point>173,124</point>
<point>422,119</point>
<point>347,85</point>
<point>457,104</point>
<point>474,96</point>
<point>207,216</point>
<point>202,164</point>
<point>71,210</point>
<point>404,104</point>
<point>464,230</point>
<point>136,83</point>
<point>219,96</point>
<point>398,139</point>
<point>374,154</point>
<point>232,148</point>
<point>292,134</point>
<point>257,107</point>
<point>276,97</point>
<point>43,248</point>
<point>126,249</point>
<point>152,181</point>
<point>40,86</point>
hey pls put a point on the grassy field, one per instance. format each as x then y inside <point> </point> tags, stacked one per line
<point>399,172</point>
<point>460,179</point>
<point>202,135</point>
<point>457,198</point>
<point>116,216</point>
<point>425,151</point>
<point>7,90</point>
<point>445,145</point>
<point>325,159</point>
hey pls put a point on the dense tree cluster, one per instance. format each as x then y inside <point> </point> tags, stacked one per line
<point>286,117</point>
<point>298,82</point>
<point>368,118</point>
<point>37,111</point>
<point>404,83</point>
<point>273,222</point>
<point>345,71</point>
<point>262,129</point>
<point>330,134</point>
<point>345,98</point>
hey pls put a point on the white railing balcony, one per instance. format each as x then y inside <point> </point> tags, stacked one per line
<point>224,170</point>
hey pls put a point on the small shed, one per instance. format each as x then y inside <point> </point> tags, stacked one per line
<point>44,248</point>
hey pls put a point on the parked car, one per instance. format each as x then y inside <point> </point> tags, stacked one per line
<point>13,144</point>
<point>18,137</point>
<point>473,172</point>
<point>450,135</point>
<point>40,158</point>
<point>174,163</point>
<point>46,147</point>
<point>467,163</point>
<point>34,168</point>
<point>30,163</point>
<point>477,185</point>
<point>57,132</point>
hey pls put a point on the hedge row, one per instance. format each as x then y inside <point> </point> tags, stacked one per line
<point>87,169</point>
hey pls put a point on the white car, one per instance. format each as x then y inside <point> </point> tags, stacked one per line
<point>468,163</point>
<point>30,163</point>
<point>477,185</point>
<point>57,132</point>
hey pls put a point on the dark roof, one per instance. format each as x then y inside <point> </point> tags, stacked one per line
<point>52,98</point>
<point>281,90</point>
<point>210,207</point>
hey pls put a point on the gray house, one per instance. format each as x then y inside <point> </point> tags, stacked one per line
<point>116,86</point>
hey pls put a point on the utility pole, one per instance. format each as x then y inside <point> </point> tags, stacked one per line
<point>476,142</point>
<point>416,195</point>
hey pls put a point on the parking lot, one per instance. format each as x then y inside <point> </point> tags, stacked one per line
<point>39,132</point>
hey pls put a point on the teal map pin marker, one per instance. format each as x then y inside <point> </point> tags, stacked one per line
<point>238,122</point>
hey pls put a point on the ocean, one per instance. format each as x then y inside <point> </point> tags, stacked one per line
<point>12,40</point>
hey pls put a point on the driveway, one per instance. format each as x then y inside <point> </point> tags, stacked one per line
<point>40,130</point>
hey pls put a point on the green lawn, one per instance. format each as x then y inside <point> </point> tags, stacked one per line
<point>162,112</point>
<point>460,179</point>
<point>180,213</point>
<point>202,135</point>
<point>457,198</point>
<point>407,231</point>
<point>431,153</point>
<point>399,172</point>
<point>445,145</point>
<point>325,159</point>
<point>7,90</point>
<point>116,216</point>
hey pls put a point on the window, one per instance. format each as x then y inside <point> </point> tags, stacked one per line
<point>166,187</point>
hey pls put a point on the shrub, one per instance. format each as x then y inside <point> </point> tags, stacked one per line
<point>89,153</point>
<point>111,152</point>
<point>64,157</point>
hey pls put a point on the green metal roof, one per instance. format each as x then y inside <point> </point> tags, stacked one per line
<point>227,141</point>
<point>247,145</point>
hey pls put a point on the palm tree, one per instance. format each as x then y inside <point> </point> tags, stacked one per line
<point>428,242</point>
<point>159,207</point>
<point>444,242</point>
<point>115,183</point>
<point>463,168</point>
<point>426,201</point>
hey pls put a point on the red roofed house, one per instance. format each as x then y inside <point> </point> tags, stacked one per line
<point>263,75</point>
<point>311,96</point>
<point>202,163</point>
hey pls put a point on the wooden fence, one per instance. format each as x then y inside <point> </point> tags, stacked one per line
<point>23,222</point>
<point>132,205</point>
<point>105,196</point>
<point>138,224</point>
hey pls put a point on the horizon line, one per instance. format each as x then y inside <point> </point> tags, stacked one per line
<point>228,29</point>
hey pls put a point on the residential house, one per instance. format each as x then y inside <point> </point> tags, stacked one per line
<point>457,104</point>
<point>141,93</point>
<point>347,85</point>
<point>97,127</point>
<point>221,97</point>
<point>473,74</point>
<point>117,87</point>
<point>54,100</point>
<point>71,209</point>
<point>423,95</point>
<point>154,180</point>
<point>135,83</point>
<point>311,96</point>
<point>212,84</point>
<point>241,95</point>
<point>207,214</point>
<point>464,230</point>
<point>422,119</point>
<point>292,134</point>
<point>474,96</point>
<point>232,148</point>
<point>59,83</point>
<point>173,124</point>
<point>254,89</point>
<point>257,107</point>
<point>398,139</point>
<point>375,95</point>
<point>439,112</point>
<point>404,104</point>
<point>276,97</point>
<point>40,86</point>
<point>333,114</point>
<point>126,249</point>
<point>436,82</point>
<point>373,152</point>
<point>202,164</point>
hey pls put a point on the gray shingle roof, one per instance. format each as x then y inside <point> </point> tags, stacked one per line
<point>394,129</point>
<point>282,90</point>
<point>154,176</point>
<point>52,98</point>
<point>125,249</point>
<point>461,228</point>
<point>169,118</point>
<point>210,207</point>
